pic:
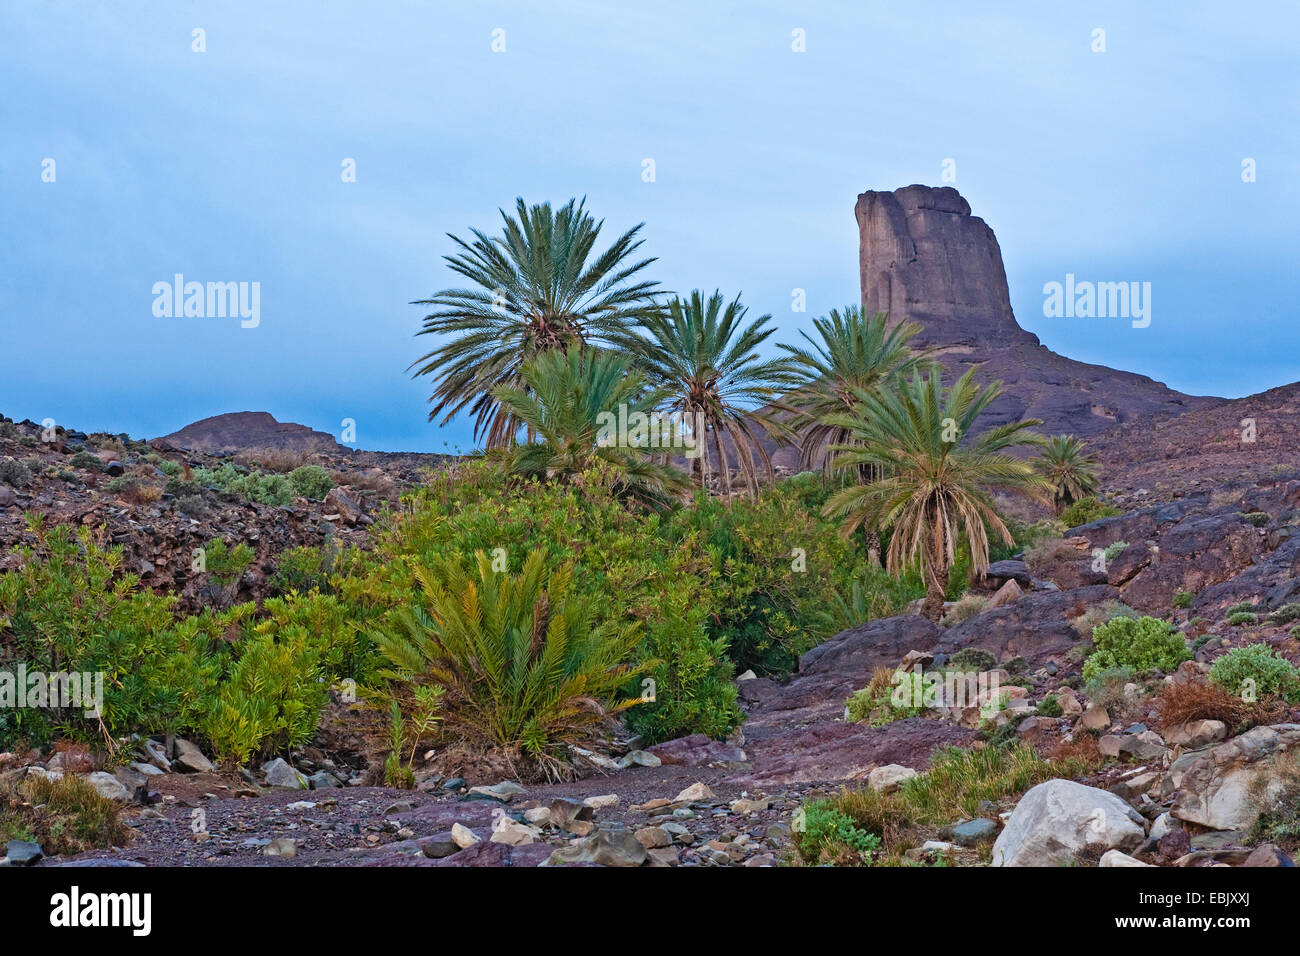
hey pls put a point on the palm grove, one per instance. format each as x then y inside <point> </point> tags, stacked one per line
<point>552,333</point>
<point>521,598</point>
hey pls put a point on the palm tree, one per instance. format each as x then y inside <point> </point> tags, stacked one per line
<point>705,356</point>
<point>934,489</point>
<point>1071,474</point>
<point>535,288</point>
<point>573,402</point>
<point>856,354</point>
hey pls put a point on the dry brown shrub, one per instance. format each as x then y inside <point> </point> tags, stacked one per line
<point>274,459</point>
<point>1179,703</point>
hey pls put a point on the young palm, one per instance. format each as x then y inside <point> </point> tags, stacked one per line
<point>934,489</point>
<point>536,288</point>
<point>569,401</point>
<point>855,354</point>
<point>1070,472</point>
<point>522,664</point>
<point>704,355</point>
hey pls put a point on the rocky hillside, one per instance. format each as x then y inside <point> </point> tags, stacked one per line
<point>146,497</point>
<point>1219,449</point>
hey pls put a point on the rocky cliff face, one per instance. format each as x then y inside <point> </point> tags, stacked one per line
<point>924,257</point>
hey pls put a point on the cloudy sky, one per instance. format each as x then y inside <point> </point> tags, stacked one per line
<point>225,165</point>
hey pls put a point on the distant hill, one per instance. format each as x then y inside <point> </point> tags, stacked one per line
<point>239,431</point>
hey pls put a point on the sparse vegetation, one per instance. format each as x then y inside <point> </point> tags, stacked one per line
<point>1087,510</point>
<point>1142,644</point>
<point>1255,670</point>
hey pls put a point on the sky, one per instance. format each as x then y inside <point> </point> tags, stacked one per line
<point>1128,163</point>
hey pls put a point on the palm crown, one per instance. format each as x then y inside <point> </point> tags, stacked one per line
<point>704,355</point>
<point>536,288</point>
<point>568,400</point>
<point>856,354</point>
<point>1070,472</point>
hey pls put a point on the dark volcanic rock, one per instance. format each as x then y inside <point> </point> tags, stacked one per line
<point>1037,627</point>
<point>840,751</point>
<point>924,257</point>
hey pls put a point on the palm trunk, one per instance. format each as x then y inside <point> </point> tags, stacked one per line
<point>936,587</point>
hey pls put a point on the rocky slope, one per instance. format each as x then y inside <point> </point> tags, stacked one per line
<point>141,495</point>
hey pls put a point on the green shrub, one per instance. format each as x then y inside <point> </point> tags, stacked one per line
<point>881,703</point>
<point>1050,706</point>
<point>226,565</point>
<point>270,700</point>
<point>691,675</point>
<point>248,485</point>
<point>311,481</point>
<point>972,659</point>
<point>825,834</point>
<point>70,606</point>
<point>14,473</point>
<point>1144,644</point>
<point>303,569</point>
<point>1242,618</point>
<point>1243,607</point>
<point>771,603</point>
<point>1183,599</point>
<point>1114,550</point>
<point>1285,614</point>
<point>1257,518</point>
<point>1087,510</point>
<point>1255,666</point>
<point>86,461</point>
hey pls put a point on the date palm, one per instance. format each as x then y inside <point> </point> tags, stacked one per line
<point>856,354</point>
<point>935,475</point>
<point>1070,472</point>
<point>568,401</point>
<point>704,355</point>
<point>537,287</point>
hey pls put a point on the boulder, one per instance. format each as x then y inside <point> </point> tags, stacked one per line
<point>999,572</point>
<point>889,778</point>
<point>1036,627</point>
<point>108,786</point>
<point>190,759</point>
<point>608,846</point>
<point>1058,818</point>
<point>1113,858</point>
<point>1009,593</point>
<point>1196,734</point>
<point>279,774</point>
<point>1226,785</point>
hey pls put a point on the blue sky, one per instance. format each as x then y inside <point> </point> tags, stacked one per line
<point>225,166</point>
